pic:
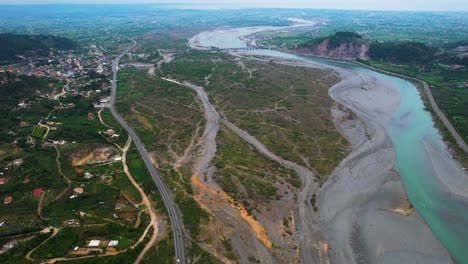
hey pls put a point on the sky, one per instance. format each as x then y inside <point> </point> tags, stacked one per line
<point>435,5</point>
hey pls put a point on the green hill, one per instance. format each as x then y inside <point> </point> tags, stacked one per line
<point>406,52</point>
<point>335,41</point>
<point>12,44</point>
<point>454,45</point>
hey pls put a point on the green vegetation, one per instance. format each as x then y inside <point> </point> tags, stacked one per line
<point>39,132</point>
<point>402,52</point>
<point>335,41</point>
<point>70,237</point>
<point>12,44</point>
<point>16,255</point>
<point>164,252</point>
<point>241,167</point>
<point>165,116</point>
<point>287,108</point>
<point>31,162</point>
<point>444,69</point>
<point>456,44</point>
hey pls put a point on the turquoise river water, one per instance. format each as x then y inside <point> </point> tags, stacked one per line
<point>414,136</point>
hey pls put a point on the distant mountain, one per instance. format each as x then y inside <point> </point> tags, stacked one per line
<point>406,52</point>
<point>12,45</point>
<point>343,45</point>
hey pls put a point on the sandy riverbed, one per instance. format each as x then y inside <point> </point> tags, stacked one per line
<point>364,213</point>
<point>361,204</point>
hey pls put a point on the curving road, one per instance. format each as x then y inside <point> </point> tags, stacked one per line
<point>168,201</point>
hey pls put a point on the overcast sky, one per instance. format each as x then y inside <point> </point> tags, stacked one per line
<point>442,5</point>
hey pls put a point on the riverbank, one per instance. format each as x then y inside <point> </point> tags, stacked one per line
<point>451,136</point>
<point>364,195</point>
<point>361,201</point>
<point>369,190</point>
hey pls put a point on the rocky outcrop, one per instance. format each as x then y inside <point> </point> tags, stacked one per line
<point>342,45</point>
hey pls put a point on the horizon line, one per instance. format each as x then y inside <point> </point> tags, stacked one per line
<point>204,5</point>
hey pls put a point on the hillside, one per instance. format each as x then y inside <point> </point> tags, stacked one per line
<point>12,44</point>
<point>344,45</point>
<point>406,52</point>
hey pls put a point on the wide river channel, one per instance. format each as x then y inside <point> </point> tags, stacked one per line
<point>435,183</point>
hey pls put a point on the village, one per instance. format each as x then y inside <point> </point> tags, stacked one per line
<point>62,174</point>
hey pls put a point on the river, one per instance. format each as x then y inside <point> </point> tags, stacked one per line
<point>435,183</point>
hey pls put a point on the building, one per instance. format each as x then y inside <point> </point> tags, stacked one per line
<point>94,243</point>
<point>9,245</point>
<point>90,116</point>
<point>8,200</point>
<point>78,190</point>
<point>113,243</point>
<point>119,204</point>
<point>37,192</point>
<point>79,171</point>
<point>18,162</point>
<point>59,142</point>
<point>3,180</point>
<point>71,222</point>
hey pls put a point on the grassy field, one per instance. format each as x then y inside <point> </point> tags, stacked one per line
<point>287,108</point>
<point>39,132</point>
<point>241,167</point>
<point>165,116</point>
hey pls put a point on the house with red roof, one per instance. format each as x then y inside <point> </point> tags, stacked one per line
<point>37,192</point>
<point>3,180</point>
<point>78,190</point>
<point>8,200</point>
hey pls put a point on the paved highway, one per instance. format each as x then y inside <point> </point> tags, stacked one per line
<point>168,201</point>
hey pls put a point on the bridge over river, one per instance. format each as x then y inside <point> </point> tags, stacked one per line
<point>237,49</point>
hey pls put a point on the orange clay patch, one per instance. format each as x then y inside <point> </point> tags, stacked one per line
<point>83,160</point>
<point>256,227</point>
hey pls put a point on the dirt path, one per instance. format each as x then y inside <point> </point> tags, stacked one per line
<point>308,222</point>
<point>213,199</point>
<point>180,161</point>
<point>145,201</point>
<point>39,206</point>
<point>150,210</point>
<point>55,232</point>
<point>59,169</point>
<point>100,118</point>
